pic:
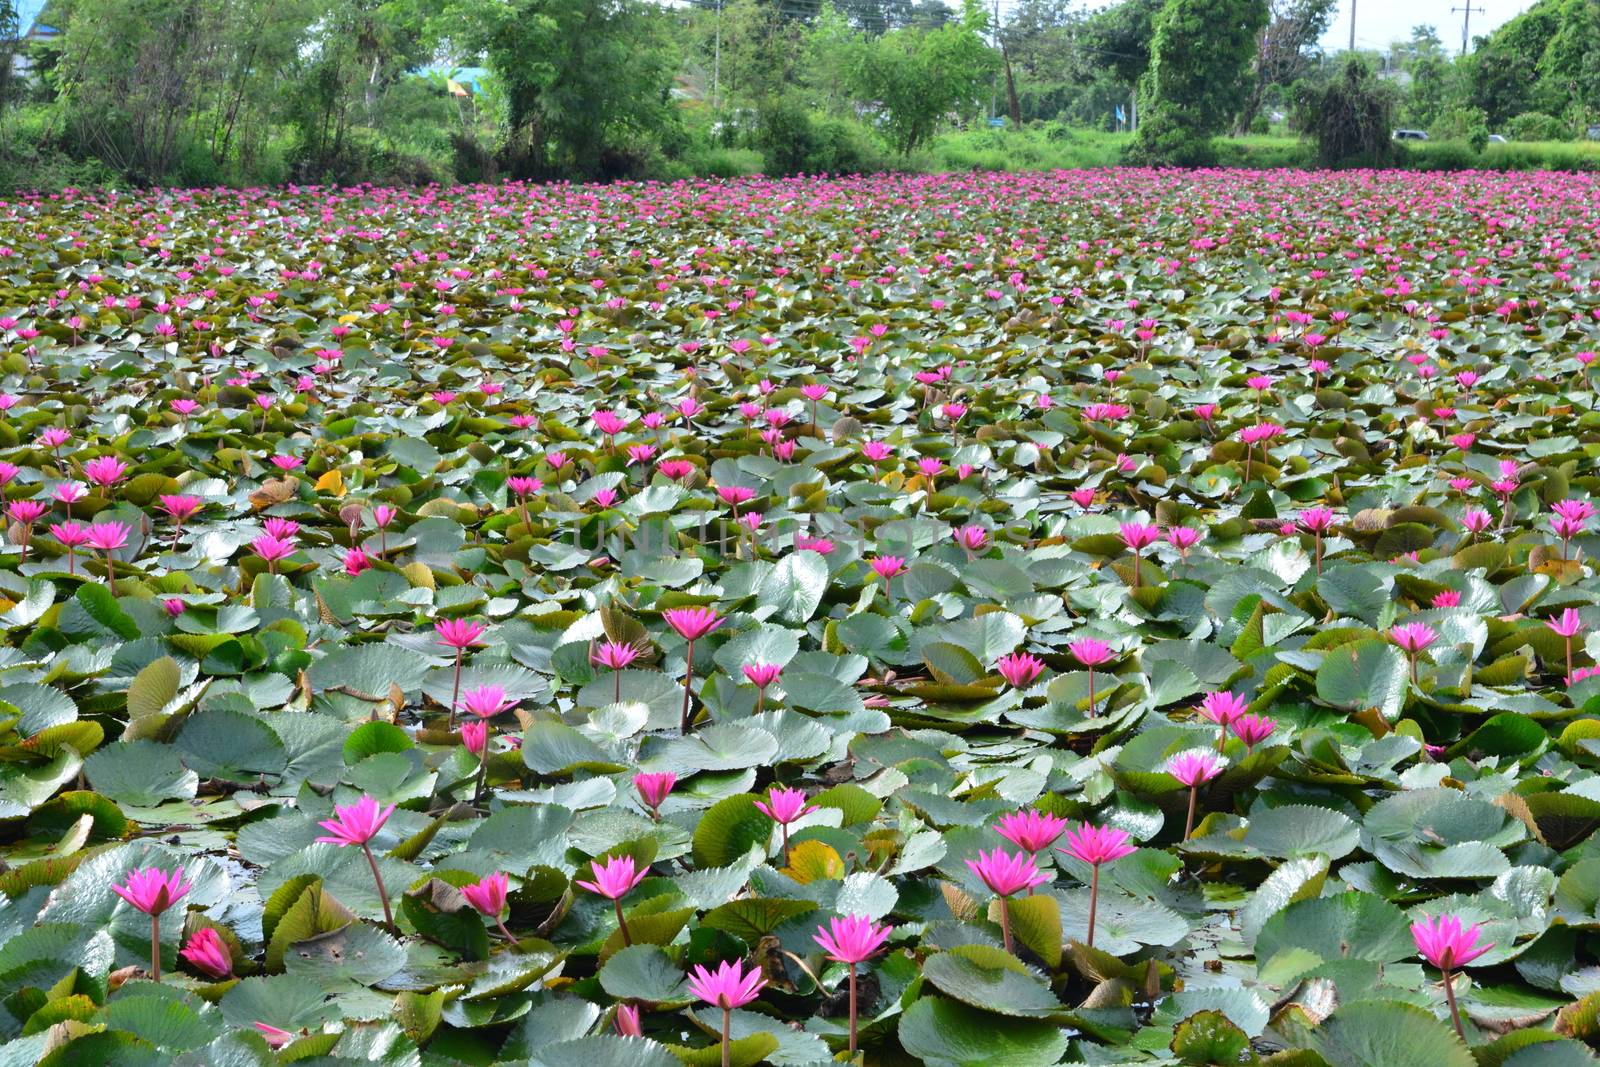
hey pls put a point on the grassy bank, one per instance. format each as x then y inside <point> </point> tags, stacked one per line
<point>1045,148</point>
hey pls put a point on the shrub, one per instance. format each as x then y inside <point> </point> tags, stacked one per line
<point>1535,126</point>
<point>1351,118</point>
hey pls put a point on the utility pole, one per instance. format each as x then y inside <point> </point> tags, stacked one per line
<point>1466,22</point>
<point>1352,25</point>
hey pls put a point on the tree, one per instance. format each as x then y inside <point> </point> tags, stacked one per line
<point>1504,71</point>
<point>918,77</point>
<point>1198,78</point>
<point>1434,84</point>
<point>587,82</point>
<point>1350,118</point>
<point>1285,49</point>
<point>1569,69</point>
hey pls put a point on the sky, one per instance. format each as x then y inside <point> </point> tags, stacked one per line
<point>1378,22</point>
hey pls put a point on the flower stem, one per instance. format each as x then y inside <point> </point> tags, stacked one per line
<point>688,673</point>
<point>383,894</point>
<point>852,1009</point>
<point>622,924</point>
<point>507,934</point>
<point>1094,901</point>
<point>727,1041</point>
<point>1450,998</point>
<point>1194,797</point>
<point>1005,922</point>
<point>483,767</point>
<point>455,694</point>
<point>155,948</point>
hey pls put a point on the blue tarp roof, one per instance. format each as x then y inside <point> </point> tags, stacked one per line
<point>471,77</point>
<point>28,12</point>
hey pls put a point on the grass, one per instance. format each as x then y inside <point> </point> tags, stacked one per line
<point>1048,147</point>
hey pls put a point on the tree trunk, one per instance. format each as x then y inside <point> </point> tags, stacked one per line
<point>1013,105</point>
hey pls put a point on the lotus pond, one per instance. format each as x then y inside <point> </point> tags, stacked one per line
<point>1107,617</point>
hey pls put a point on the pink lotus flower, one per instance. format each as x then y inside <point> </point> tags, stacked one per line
<point>1096,845</point>
<point>1183,538</point>
<point>761,675</point>
<point>1019,669</point>
<point>475,737</point>
<point>1253,729</point>
<point>785,806</point>
<point>460,635</point>
<point>614,878</point>
<point>1091,653</point>
<point>179,507</point>
<point>104,471</point>
<point>1568,624</point>
<point>1222,708</point>
<point>608,422</point>
<point>1413,637</point>
<point>276,1038</point>
<point>488,897</point>
<point>692,624</point>
<point>887,568</point>
<point>486,701</point>
<point>1449,946</point>
<point>728,987</point>
<point>152,891</point>
<point>207,953</point>
<point>273,550</point>
<point>653,789</point>
<point>1006,874</point>
<point>1448,598</point>
<point>972,539</point>
<point>852,941</point>
<point>358,824</point>
<point>1031,830</point>
<point>70,535</point>
<point>355,824</point>
<point>1137,535</point>
<point>627,1021</point>
<point>107,537</point>
<point>26,512</point>
<point>675,469</point>
<point>1193,768</point>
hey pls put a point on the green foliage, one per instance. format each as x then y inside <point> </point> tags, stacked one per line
<point>586,85</point>
<point>1200,56</point>
<point>1350,119</point>
<point>919,76</point>
<point>1535,126</point>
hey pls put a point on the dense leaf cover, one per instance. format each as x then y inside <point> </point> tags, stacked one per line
<point>876,511</point>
